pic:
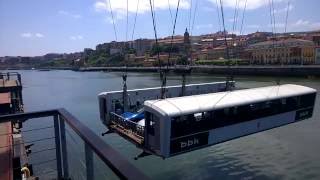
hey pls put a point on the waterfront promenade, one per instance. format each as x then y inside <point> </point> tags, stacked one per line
<point>254,70</point>
<point>266,70</point>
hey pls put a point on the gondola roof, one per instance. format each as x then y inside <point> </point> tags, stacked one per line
<point>180,106</point>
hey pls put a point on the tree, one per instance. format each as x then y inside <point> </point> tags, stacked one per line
<point>182,60</point>
<point>173,49</point>
<point>156,49</point>
<point>130,51</point>
<point>115,59</point>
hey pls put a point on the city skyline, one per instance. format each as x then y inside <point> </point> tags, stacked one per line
<point>36,28</point>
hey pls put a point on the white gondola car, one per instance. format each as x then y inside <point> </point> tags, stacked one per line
<point>178,125</point>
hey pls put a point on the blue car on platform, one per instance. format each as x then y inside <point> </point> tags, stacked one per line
<point>135,117</point>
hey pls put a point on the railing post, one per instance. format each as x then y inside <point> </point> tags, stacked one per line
<point>64,148</point>
<point>57,141</point>
<point>89,162</point>
<point>19,79</point>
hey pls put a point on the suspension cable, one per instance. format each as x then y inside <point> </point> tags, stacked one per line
<point>127,25</point>
<point>224,29</point>
<point>230,77</point>
<point>157,44</point>
<point>194,17</point>
<point>125,50</point>
<point>235,17</point>
<point>190,14</point>
<point>154,11</point>
<point>113,22</point>
<point>135,20</point>
<point>173,32</point>
<point>169,6</point>
<point>272,26</point>
<point>243,16</point>
<point>271,18</point>
<point>218,12</point>
<point>270,11</point>
<point>234,27</point>
<point>285,31</point>
<point>164,83</point>
<point>274,18</point>
<point>242,23</point>
<point>155,31</point>
<point>287,15</point>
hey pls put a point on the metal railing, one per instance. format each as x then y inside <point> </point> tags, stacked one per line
<point>94,146</point>
<point>11,76</point>
<point>15,89</point>
<point>128,125</point>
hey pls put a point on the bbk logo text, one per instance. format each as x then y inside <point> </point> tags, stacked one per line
<point>189,143</point>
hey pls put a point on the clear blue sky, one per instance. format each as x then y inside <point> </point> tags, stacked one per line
<point>37,27</point>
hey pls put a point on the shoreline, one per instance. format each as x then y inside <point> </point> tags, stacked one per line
<point>292,70</point>
<point>310,70</point>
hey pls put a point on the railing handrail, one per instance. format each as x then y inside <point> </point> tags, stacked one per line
<point>28,115</point>
<point>11,75</point>
<point>5,73</point>
<point>112,158</point>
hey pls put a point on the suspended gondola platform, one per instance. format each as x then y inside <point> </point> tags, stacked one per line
<point>206,115</point>
<point>12,149</point>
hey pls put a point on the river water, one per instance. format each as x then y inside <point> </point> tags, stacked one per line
<point>290,152</point>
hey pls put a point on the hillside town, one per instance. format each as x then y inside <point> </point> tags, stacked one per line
<point>220,48</point>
